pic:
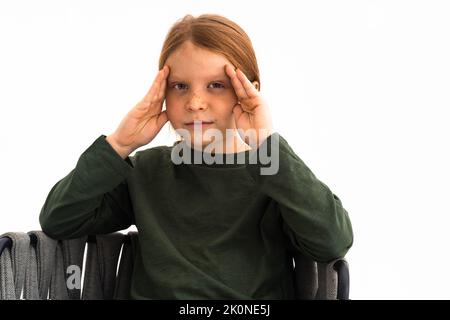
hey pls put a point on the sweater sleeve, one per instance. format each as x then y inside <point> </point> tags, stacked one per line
<point>313,217</point>
<point>93,198</point>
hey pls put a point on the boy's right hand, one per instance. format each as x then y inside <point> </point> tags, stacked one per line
<point>144,121</point>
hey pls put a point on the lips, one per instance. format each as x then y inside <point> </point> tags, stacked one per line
<point>200,122</point>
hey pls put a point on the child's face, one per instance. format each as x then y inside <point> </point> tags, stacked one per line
<point>198,89</point>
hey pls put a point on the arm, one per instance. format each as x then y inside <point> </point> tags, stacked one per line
<point>313,217</point>
<point>93,198</point>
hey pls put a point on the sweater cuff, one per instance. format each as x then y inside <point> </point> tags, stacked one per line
<point>109,157</point>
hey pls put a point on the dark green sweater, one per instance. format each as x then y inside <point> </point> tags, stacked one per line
<point>205,230</point>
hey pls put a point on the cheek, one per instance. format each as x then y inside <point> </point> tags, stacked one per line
<point>232,100</point>
<point>172,104</point>
<point>224,116</point>
<point>172,114</point>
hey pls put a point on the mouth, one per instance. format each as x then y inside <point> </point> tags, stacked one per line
<point>200,123</point>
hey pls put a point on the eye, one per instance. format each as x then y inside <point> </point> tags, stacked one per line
<point>219,85</point>
<point>178,84</point>
<point>183,86</point>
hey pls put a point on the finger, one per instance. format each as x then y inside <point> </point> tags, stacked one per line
<point>162,90</point>
<point>160,87</point>
<point>236,83</point>
<point>248,86</point>
<point>149,97</point>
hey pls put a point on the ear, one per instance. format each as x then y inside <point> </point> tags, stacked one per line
<point>256,84</point>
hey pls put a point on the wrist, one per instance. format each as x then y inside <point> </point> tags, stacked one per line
<point>122,151</point>
<point>255,137</point>
<point>264,135</point>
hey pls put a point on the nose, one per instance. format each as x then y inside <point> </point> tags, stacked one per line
<point>196,103</point>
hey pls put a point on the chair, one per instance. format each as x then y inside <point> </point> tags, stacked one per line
<point>36,267</point>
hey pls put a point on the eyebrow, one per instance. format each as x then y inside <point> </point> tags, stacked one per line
<point>215,77</point>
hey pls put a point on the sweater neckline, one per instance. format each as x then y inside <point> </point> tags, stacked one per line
<point>200,158</point>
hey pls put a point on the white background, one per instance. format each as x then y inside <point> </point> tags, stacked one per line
<point>360,90</point>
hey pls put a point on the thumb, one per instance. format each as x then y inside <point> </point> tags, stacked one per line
<point>162,119</point>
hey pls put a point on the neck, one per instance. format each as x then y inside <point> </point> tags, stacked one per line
<point>233,145</point>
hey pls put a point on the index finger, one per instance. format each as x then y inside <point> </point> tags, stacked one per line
<point>237,85</point>
<point>153,92</point>
<point>248,86</point>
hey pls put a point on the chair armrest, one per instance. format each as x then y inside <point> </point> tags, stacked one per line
<point>5,242</point>
<point>343,274</point>
<point>334,280</point>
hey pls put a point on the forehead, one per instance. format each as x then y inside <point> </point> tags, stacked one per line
<point>192,61</point>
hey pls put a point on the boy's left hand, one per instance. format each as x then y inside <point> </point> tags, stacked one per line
<point>251,111</point>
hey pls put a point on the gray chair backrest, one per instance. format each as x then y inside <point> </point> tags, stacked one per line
<point>36,267</point>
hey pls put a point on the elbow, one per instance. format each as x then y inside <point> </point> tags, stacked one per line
<point>47,226</point>
<point>339,249</point>
<point>323,244</point>
<point>330,248</point>
<point>52,226</point>
<point>339,243</point>
<point>339,238</point>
